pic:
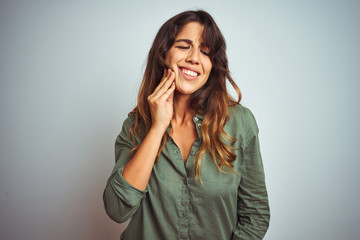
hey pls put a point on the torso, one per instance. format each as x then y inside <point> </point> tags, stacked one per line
<point>184,136</point>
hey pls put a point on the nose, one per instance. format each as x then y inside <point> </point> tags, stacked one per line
<point>193,56</point>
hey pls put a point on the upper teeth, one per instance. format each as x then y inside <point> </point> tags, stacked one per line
<point>189,72</point>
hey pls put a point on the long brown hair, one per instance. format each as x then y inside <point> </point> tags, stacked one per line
<point>211,100</point>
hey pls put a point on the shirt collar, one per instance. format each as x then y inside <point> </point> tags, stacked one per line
<point>198,118</point>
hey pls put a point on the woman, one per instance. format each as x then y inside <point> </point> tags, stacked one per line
<point>188,163</point>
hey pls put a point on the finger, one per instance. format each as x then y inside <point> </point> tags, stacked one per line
<point>171,97</point>
<point>166,75</point>
<point>165,86</point>
<point>167,96</point>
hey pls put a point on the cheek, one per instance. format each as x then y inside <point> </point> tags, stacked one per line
<point>209,67</point>
<point>170,58</point>
<point>167,60</point>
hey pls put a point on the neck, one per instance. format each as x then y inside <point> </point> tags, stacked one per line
<point>182,110</point>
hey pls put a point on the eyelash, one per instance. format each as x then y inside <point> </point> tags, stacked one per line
<point>203,52</point>
<point>181,47</point>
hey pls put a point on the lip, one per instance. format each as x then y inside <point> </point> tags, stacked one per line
<point>186,76</point>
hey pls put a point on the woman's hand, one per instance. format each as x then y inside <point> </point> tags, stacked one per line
<point>161,101</point>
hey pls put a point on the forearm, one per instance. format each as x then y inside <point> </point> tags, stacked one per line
<point>138,170</point>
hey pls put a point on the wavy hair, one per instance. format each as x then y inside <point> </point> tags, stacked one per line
<point>211,100</point>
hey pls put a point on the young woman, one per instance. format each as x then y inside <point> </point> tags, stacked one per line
<point>188,162</point>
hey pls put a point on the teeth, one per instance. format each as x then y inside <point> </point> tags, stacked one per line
<point>189,72</point>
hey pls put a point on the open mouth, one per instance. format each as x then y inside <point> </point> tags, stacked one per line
<point>189,73</point>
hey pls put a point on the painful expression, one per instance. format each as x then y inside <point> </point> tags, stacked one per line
<point>189,58</point>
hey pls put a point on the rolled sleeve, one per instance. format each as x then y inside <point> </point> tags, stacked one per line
<point>121,199</point>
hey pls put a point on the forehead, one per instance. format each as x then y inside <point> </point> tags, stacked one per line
<point>192,31</point>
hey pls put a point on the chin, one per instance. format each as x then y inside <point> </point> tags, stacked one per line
<point>185,90</point>
<point>180,91</point>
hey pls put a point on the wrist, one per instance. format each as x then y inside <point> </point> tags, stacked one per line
<point>157,130</point>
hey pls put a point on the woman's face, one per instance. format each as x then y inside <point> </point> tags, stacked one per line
<point>189,59</point>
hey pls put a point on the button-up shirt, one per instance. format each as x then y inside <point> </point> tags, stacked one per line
<point>175,206</point>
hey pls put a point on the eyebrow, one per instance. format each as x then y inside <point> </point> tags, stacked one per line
<point>188,41</point>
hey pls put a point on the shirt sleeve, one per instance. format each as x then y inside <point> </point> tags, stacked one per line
<point>122,200</point>
<point>253,206</point>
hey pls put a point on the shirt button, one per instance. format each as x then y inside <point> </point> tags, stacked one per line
<point>198,125</point>
<point>196,119</point>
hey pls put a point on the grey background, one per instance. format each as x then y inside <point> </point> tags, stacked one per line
<point>70,71</point>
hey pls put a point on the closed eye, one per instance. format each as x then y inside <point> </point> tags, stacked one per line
<point>185,48</point>
<point>204,52</point>
<point>182,47</point>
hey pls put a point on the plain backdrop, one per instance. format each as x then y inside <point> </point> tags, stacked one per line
<point>70,72</point>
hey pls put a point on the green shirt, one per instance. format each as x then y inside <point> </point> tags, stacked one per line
<point>174,206</point>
